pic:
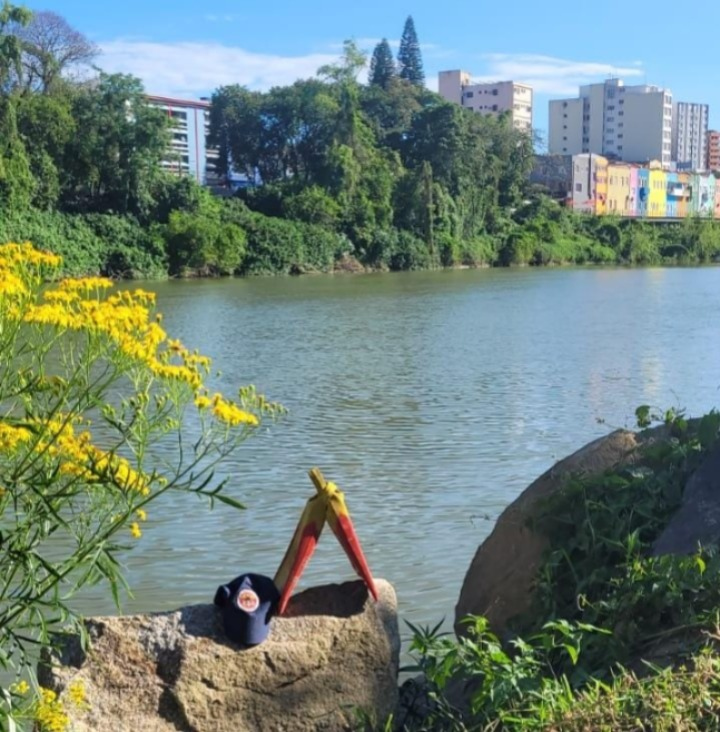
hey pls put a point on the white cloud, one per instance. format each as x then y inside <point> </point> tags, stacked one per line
<point>193,69</point>
<point>551,75</point>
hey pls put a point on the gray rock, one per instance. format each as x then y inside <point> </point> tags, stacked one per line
<point>500,581</point>
<point>335,651</point>
<point>698,519</point>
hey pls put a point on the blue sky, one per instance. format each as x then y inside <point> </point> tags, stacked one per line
<point>189,48</point>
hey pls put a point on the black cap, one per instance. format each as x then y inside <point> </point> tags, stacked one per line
<point>248,604</point>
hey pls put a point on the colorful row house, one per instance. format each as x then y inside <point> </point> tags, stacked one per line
<point>622,189</point>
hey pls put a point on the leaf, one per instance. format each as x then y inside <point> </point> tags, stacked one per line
<point>229,501</point>
<point>708,429</point>
<point>642,415</point>
<point>573,652</point>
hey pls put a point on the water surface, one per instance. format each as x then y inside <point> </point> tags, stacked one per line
<point>432,399</point>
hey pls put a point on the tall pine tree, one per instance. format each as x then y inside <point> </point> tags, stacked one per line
<point>409,58</point>
<point>382,65</point>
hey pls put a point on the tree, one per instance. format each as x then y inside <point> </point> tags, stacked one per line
<point>10,45</point>
<point>16,180</point>
<point>350,64</point>
<point>382,65</point>
<point>46,125</point>
<point>111,166</point>
<point>50,47</point>
<point>409,57</point>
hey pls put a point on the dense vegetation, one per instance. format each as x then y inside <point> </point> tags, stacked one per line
<point>381,175</point>
<point>616,639</point>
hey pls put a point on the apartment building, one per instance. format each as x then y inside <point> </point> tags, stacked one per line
<point>489,98</point>
<point>189,152</point>
<point>689,135</point>
<point>630,123</point>
<point>713,150</point>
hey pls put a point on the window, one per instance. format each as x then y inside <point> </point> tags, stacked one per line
<point>578,187</point>
<point>469,94</point>
<point>494,92</point>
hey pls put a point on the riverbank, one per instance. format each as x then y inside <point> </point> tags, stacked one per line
<point>227,238</point>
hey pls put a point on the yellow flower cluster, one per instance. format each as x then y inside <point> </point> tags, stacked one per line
<point>123,318</point>
<point>50,714</point>
<point>231,414</point>
<point>226,411</point>
<point>15,262</point>
<point>79,457</point>
<point>11,437</point>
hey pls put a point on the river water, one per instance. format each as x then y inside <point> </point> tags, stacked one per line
<point>432,399</point>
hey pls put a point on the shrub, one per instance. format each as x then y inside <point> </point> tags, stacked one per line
<point>89,383</point>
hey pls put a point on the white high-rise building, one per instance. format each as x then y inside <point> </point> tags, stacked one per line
<point>690,135</point>
<point>189,152</point>
<point>631,123</point>
<point>489,98</point>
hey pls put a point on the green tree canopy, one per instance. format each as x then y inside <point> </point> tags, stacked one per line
<point>382,65</point>
<point>409,56</point>
<point>12,17</point>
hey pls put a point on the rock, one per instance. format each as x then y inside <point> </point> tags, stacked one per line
<point>335,651</point>
<point>697,522</point>
<point>499,583</point>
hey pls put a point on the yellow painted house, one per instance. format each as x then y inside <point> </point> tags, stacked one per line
<point>601,184</point>
<point>619,191</point>
<point>657,198</point>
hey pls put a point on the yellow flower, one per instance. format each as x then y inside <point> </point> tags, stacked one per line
<point>232,415</point>
<point>22,687</point>
<point>135,530</point>
<point>86,284</point>
<point>50,714</point>
<point>202,402</point>
<point>175,346</point>
<point>141,514</point>
<point>77,695</point>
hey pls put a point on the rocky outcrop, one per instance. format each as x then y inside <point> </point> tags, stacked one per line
<point>335,651</point>
<point>697,523</point>
<point>501,578</point>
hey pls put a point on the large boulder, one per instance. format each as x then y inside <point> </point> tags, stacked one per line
<point>697,522</point>
<point>334,652</point>
<point>500,581</point>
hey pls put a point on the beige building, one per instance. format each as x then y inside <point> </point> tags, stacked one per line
<point>631,123</point>
<point>489,98</point>
<point>713,150</point>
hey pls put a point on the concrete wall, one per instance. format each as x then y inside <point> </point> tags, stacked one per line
<point>491,98</point>
<point>647,127</point>
<point>690,135</point>
<point>565,127</point>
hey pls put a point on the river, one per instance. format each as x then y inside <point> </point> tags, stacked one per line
<point>433,399</point>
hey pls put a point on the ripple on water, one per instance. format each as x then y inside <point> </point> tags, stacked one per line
<point>433,399</point>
